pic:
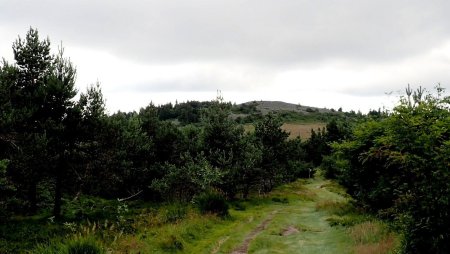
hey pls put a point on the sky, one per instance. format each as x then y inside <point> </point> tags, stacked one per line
<point>353,54</point>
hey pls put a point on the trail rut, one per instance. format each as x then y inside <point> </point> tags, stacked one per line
<point>243,248</point>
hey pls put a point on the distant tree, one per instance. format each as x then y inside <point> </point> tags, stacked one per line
<point>297,165</point>
<point>166,112</point>
<point>316,146</point>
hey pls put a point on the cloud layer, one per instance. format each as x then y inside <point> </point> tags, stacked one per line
<point>260,48</point>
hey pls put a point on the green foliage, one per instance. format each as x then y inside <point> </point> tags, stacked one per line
<point>73,246</point>
<point>20,234</point>
<point>222,139</point>
<point>274,151</point>
<point>7,191</point>
<point>212,202</point>
<point>89,208</point>
<point>84,246</point>
<point>398,166</point>
<point>174,212</point>
<point>189,112</point>
<point>183,182</point>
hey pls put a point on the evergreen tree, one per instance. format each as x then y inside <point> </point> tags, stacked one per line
<point>221,139</point>
<point>41,88</point>
<point>27,97</point>
<point>274,150</point>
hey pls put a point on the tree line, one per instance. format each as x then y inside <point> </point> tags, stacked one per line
<point>56,147</point>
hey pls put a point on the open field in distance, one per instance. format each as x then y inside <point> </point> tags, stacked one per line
<point>295,129</point>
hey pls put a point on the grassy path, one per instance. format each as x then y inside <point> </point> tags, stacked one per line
<point>294,218</point>
<point>289,222</point>
<point>300,228</point>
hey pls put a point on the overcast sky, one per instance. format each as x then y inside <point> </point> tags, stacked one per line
<point>324,53</point>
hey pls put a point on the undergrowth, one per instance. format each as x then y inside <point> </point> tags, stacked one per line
<point>368,233</point>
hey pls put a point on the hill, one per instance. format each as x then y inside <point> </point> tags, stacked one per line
<point>252,111</point>
<point>279,106</point>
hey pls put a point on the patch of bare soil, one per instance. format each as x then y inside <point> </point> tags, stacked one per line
<point>243,248</point>
<point>290,231</point>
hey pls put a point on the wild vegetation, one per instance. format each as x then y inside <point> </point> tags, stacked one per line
<point>397,165</point>
<point>190,177</point>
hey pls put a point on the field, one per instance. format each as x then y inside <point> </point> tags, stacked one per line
<point>302,130</point>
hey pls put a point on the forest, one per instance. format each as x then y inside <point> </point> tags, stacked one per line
<point>65,162</point>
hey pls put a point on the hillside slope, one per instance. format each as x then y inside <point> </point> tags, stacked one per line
<point>278,106</point>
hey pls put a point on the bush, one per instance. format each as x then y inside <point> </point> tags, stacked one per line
<point>84,246</point>
<point>212,203</point>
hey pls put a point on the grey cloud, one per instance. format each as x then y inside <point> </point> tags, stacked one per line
<point>246,44</point>
<point>264,32</point>
<point>171,86</point>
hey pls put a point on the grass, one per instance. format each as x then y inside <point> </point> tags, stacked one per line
<point>314,235</point>
<point>307,216</point>
<point>373,237</point>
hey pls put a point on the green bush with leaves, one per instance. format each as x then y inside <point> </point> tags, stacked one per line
<point>398,166</point>
<point>211,202</point>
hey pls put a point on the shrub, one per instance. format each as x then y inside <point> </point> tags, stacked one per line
<point>212,203</point>
<point>84,246</point>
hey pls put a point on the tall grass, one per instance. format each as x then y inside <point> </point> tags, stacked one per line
<point>76,245</point>
<point>373,237</point>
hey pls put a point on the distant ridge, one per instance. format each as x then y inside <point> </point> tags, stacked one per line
<point>279,106</point>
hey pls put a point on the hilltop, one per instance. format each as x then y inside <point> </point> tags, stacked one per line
<point>279,106</point>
